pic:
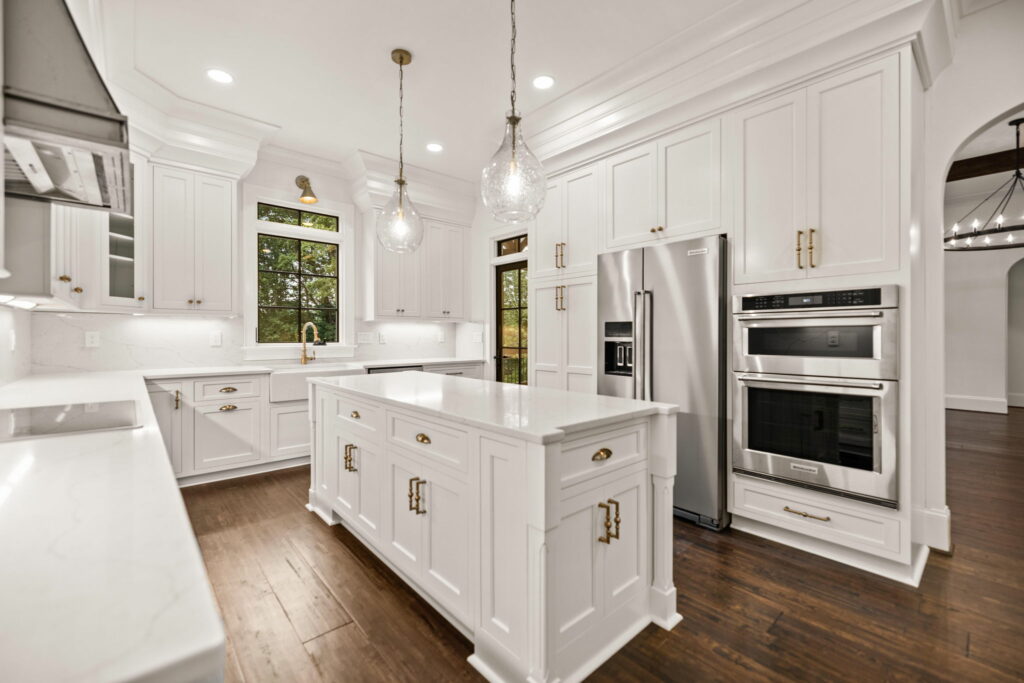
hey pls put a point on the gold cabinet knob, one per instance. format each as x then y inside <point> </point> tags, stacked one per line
<point>654,230</point>
<point>661,228</point>
<point>228,390</point>
<point>602,454</point>
<point>422,438</point>
<point>354,414</point>
<point>64,278</point>
<point>227,408</point>
<point>77,290</point>
<point>142,298</point>
<point>191,301</point>
<point>198,301</point>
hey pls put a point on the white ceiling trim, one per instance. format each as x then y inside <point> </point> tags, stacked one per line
<point>727,51</point>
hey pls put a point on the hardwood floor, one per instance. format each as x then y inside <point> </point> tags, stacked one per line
<point>305,602</point>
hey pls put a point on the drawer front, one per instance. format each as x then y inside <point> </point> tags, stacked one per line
<point>474,371</point>
<point>361,419</point>
<point>226,435</point>
<point>437,442</point>
<point>845,525</point>
<point>226,388</point>
<point>590,456</point>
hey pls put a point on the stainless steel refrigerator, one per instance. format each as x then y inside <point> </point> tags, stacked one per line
<point>662,335</point>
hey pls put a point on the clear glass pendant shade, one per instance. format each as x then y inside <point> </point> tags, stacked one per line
<point>399,227</point>
<point>513,183</point>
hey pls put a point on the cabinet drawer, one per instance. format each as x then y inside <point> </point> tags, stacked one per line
<point>827,520</point>
<point>437,442</point>
<point>224,388</point>
<point>226,434</point>
<point>359,418</point>
<point>592,455</point>
<point>475,371</point>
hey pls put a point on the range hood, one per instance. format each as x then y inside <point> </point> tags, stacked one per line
<point>64,138</point>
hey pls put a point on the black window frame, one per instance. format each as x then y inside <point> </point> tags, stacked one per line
<point>301,214</point>
<point>299,308</point>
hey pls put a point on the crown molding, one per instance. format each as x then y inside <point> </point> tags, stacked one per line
<point>309,163</point>
<point>745,50</point>
<point>440,196</point>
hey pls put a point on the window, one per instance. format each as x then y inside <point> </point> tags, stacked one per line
<point>513,245</point>
<point>298,282</point>
<point>512,322</point>
<point>305,219</point>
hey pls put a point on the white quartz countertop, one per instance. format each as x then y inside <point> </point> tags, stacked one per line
<point>100,575</point>
<point>530,413</point>
<point>325,364</point>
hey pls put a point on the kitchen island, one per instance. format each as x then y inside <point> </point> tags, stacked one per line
<point>538,522</point>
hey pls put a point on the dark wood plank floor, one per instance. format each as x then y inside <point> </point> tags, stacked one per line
<point>305,602</point>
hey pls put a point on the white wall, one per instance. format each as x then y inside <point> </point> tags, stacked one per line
<point>977,330</point>
<point>15,341</point>
<point>1015,381</point>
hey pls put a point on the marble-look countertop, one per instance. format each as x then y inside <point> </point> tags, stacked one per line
<point>325,364</point>
<point>530,413</point>
<point>101,577</point>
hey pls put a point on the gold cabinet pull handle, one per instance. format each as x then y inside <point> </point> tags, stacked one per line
<point>807,515</point>
<point>348,452</point>
<point>799,249</point>
<point>607,537</point>
<point>810,248</point>
<point>349,461</point>
<point>422,438</point>
<point>618,520</point>
<point>228,390</point>
<point>419,497</point>
<point>77,290</point>
<point>602,454</point>
<point>557,245</point>
<point>64,278</point>
<point>412,482</point>
<point>177,399</point>
<point>227,407</point>
<point>354,414</point>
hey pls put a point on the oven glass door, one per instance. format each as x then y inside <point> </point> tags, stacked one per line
<point>822,343</point>
<point>827,433</point>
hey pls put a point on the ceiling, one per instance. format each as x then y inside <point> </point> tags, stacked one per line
<point>995,138</point>
<point>321,69</point>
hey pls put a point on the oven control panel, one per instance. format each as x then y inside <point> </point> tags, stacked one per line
<point>844,298</point>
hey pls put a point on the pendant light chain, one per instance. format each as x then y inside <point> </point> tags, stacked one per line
<point>401,120</point>
<point>513,59</point>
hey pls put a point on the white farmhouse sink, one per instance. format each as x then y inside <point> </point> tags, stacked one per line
<point>289,384</point>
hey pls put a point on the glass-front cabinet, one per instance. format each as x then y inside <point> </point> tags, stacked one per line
<point>121,251</point>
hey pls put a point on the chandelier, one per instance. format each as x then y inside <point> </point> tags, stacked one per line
<point>997,222</point>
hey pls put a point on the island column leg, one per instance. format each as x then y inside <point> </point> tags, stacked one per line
<point>663,589</point>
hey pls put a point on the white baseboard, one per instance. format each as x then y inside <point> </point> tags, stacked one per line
<point>1015,400</point>
<point>980,404</point>
<point>931,527</point>
<point>261,468</point>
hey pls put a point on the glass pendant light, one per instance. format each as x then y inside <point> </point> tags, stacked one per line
<point>399,227</point>
<point>513,185</point>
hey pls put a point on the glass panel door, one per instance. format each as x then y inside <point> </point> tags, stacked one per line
<point>512,322</point>
<point>121,257</point>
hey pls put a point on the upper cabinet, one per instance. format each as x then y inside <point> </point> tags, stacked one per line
<point>443,272</point>
<point>426,284</point>
<point>818,178</point>
<point>193,241</point>
<point>690,180</point>
<point>632,195</point>
<point>567,231</point>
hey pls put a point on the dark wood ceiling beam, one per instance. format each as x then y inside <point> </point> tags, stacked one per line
<point>983,165</point>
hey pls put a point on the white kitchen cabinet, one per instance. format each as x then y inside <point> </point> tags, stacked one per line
<point>632,195</point>
<point>443,272</point>
<point>563,328</point>
<point>818,178</point>
<point>166,399</point>
<point>565,237</point>
<point>474,370</point>
<point>690,181</point>
<point>226,434</point>
<point>397,283</point>
<point>193,241</point>
<point>289,430</point>
<point>597,578</point>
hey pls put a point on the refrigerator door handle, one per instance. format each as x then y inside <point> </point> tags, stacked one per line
<point>648,348</point>
<point>638,341</point>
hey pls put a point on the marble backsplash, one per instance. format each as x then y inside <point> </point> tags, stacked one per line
<point>132,342</point>
<point>15,339</point>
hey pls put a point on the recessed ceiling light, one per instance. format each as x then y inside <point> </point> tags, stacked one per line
<point>435,147</point>
<point>219,75</point>
<point>543,82</point>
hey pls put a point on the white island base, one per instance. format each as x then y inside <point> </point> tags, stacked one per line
<point>538,522</point>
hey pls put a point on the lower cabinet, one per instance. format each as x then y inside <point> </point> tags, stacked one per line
<point>166,400</point>
<point>427,533</point>
<point>355,468</point>
<point>595,579</point>
<point>289,430</point>
<point>226,434</point>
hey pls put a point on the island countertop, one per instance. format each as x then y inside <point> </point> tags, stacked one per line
<point>530,413</point>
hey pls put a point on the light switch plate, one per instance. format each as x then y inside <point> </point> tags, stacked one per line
<point>440,337</point>
<point>14,340</point>
<point>380,338</point>
<point>365,338</point>
<point>216,338</point>
<point>92,340</point>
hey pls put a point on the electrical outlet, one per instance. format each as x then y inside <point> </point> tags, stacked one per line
<point>380,338</point>
<point>216,338</point>
<point>364,338</point>
<point>92,340</point>
<point>440,337</point>
<point>14,340</point>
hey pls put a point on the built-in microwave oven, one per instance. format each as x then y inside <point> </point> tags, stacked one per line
<point>852,333</point>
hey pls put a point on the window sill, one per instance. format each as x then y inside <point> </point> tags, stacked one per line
<point>292,351</point>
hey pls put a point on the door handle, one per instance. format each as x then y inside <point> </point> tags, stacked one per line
<point>602,454</point>
<point>228,407</point>
<point>228,390</point>
<point>606,538</point>
<point>177,399</point>
<point>423,439</point>
<point>810,248</point>
<point>799,249</point>
<point>807,515</point>
<point>844,384</point>
<point>354,414</point>
<point>412,482</point>
<point>618,519</point>
<point>419,497</point>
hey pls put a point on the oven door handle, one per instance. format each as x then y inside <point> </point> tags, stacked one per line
<point>810,315</point>
<point>813,382</point>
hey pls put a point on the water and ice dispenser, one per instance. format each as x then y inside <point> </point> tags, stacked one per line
<point>618,348</point>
